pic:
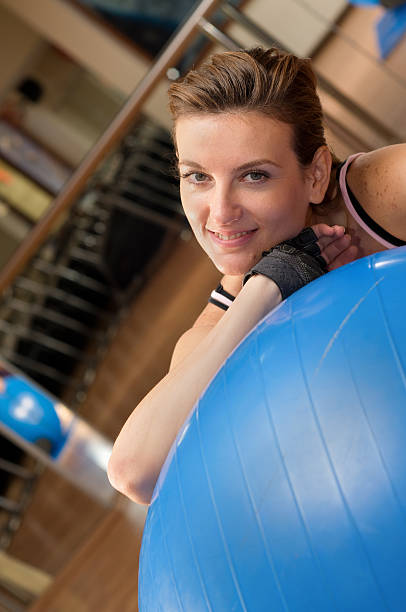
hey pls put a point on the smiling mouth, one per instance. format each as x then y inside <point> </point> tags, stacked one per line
<point>232,236</point>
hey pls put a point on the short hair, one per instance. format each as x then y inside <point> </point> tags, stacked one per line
<point>270,81</point>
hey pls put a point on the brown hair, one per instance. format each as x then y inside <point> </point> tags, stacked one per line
<point>278,84</point>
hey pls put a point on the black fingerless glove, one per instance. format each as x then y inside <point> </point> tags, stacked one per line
<point>292,264</point>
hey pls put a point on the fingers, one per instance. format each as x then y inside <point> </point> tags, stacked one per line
<point>346,256</point>
<point>332,249</point>
<point>335,245</point>
<point>325,233</point>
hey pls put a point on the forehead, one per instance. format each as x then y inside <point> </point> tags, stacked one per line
<point>235,135</point>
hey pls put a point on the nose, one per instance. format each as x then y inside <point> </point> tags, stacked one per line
<point>224,206</point>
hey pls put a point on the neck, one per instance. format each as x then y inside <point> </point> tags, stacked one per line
<point>335,213</point>
<point>338,215</point>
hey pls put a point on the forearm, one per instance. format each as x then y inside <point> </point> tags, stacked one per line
<point>146,438</point>
<point>148,434</point>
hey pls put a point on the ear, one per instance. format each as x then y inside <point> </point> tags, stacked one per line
<point>318,174</point>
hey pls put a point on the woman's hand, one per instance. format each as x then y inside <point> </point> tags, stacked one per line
<point>335,245</point>
<point>294,263</point>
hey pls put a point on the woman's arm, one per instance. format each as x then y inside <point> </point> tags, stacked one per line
<point>336,250</point>
<point>145,440</point>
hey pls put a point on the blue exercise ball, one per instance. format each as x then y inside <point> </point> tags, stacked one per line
<point>286,487</point>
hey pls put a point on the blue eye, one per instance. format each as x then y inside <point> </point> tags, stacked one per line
<point>194,177</point>
<point>199,177</point>
<point>255,176</point>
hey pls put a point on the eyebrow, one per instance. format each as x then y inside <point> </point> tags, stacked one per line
<point>250,164</point>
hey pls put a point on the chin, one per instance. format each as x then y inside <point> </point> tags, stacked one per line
<point>232,268</point>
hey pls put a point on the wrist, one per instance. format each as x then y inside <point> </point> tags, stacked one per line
<point>263,289</point>
<point>232,284</point>
<point>291,264</point>
<point>255,300</point>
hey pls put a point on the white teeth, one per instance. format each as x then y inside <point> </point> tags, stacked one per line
<point>233,237</point>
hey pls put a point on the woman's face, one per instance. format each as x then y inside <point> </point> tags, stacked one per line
<point>242,188</point>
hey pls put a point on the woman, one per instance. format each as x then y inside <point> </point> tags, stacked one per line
<point>254,171</point>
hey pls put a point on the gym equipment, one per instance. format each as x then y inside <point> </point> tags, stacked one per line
<point>286,487</point>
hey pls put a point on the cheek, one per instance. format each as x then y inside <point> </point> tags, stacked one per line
<point>193,209</point>
<point>193,217</point>
<point>297,202</point>
<point>284,215</point>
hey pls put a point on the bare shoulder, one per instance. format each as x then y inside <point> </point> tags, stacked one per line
<point>378,180</point>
